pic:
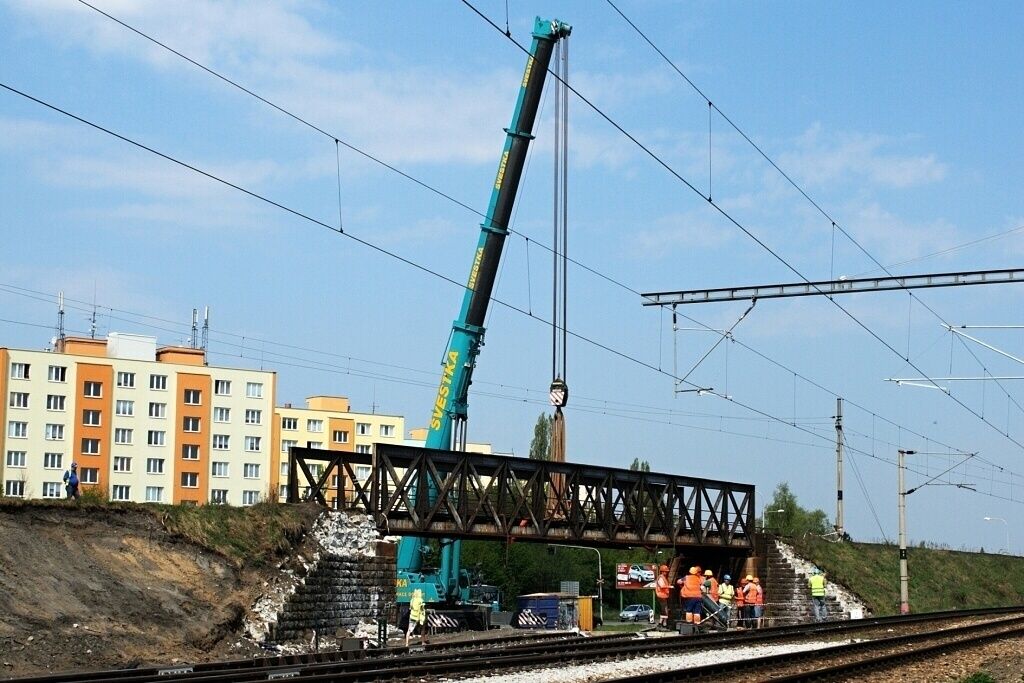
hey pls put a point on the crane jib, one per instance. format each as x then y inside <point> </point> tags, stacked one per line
<point>444,389</point>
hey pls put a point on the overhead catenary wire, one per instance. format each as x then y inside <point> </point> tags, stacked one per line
<point>834,223</point>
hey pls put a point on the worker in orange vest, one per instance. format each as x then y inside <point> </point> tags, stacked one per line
<point>759,603</point>
<point>740,604</point>
<point>710,585</point>
<point>662,589</point>
<point>750,597</point>
<point>691,595</point>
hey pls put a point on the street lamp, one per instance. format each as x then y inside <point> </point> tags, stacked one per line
<point>764,516</point>
<point>600,580</point>
<point>1000,519</point>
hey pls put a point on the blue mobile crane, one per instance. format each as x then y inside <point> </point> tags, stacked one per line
<point>449,583</point>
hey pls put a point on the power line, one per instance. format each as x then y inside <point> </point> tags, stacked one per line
<point>835,224</point>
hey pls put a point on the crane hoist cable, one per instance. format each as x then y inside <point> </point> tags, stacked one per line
<point>560,264</point>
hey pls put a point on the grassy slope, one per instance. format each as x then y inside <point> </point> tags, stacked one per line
<point>939,579</point>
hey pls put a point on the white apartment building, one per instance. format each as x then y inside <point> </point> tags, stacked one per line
<point>144,424</point>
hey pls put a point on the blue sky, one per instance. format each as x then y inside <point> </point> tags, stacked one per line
<point>901,122</point>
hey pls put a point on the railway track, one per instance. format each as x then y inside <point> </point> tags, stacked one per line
<point>489,656</point>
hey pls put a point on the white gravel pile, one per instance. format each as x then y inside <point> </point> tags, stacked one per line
<point>604,671</point>
<point>264,611</point>
<point>847,600</point>
<point>340,533</point>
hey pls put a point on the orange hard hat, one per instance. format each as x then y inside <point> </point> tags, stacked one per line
<point>707,572</point>
<point>663,568</point>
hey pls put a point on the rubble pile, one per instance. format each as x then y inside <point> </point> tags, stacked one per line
<point>339,533</point>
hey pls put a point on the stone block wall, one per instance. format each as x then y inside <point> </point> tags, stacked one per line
<point>789,598</point>
<point>338,593</point>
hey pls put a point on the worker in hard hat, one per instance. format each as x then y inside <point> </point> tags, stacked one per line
<point>726,594</point>
<point>417,615</point>
<point>750,598</point>
<point>691,596</point>
<point>740,604</point>
<point>759,603</point>
<point>662,590</point>
<point>816,582</point>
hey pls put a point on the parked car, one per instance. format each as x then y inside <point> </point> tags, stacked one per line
<point>637,613</point>
<point>640,573</point>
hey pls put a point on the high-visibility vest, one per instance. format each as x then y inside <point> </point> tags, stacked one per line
<point>691,586</point>
<point>759,594</point>
<point>750,593</point>
<point>817,584</point>
<point>711,583</point>
<point>739,593</point>
<point>726,592</point>
<point>662,587</point>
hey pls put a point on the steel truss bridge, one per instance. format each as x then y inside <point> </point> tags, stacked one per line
<point>469,495</point>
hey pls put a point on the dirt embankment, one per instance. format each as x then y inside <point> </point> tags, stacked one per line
<point>85,588</point>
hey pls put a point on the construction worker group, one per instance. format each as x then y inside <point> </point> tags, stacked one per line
<point>702,597</point>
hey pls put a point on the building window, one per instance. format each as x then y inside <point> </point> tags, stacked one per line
<point>17,430</point>
<point>254,389</point>
<point>190,424</point>
<point>364,448</point>
<point>250,497</point>
<point>156,437</point>
<point>16,459</point>
<point>283,491</point>
<point>89,475</point>
<point>387,430</point>
<point>284,469</point>
<point>120,492</point>
<point>51,489</point>
<point>154,494</point>
<point>91,418</point>
<point>124,408</point>
<point>90,446</point>
<point>55,402</point>
<point>287,444</point>
<point>53,461</point>
<point>19,370</point>
<point>363,428</point>
<point>222,387</point>
<point>190,451</point>
<point>126,380</point>
<point>221,442</point>
<point>190,480</point>
<point>54,432</point>
<point>219,496</point>
<point>19,399</point>
<point>14,489</point>
<point>314,426</point>
<point>253,417</point>
<point>334,481</point>
<point>158,382</point>
<point>158,410</point>
<point>154,465</point>
<point>193,397</point>
<point>362,472</point>
<point>289,423</point>
<point>57,373</point>
<point>93,389</point>
<point>340,436</point>
<point>123,436</point>
<point>222,414</point>
<point>219,469</point>
<point>251,470</point>
<point>122,464</point>
<point>314,444</point>
<point>252,444</point>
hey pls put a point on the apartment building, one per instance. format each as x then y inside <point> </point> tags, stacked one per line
<point>144,424</point>
<point>328,422</point>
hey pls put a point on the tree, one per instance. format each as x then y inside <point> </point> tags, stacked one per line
<point>794,520</point>
<point>639,465</point>
<point>540,446</point>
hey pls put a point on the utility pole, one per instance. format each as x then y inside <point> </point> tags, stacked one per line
<point>840,531</point>
<point>904,576</point>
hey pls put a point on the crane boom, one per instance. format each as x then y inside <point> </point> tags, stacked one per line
<point>449,412</point>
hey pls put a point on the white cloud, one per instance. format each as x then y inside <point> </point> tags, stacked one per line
<point>819,159</point>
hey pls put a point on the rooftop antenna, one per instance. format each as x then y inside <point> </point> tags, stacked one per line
<point>193,341</point>
<point>206,333</point>
<point>60,319</point>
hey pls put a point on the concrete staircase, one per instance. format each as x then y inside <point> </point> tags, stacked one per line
<point>787,597</point>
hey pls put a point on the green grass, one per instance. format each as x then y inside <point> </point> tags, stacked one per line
<point>247,535</point>
<point>939,579</point>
